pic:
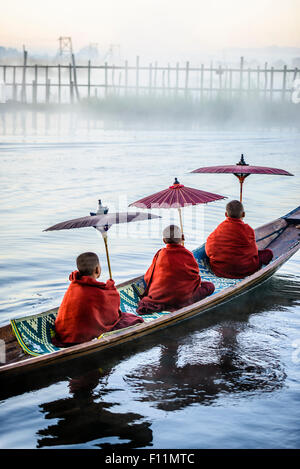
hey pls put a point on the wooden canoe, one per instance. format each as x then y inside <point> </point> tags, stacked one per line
<point>25,350</point>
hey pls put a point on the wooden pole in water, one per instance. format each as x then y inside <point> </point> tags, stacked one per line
<point>120,81</point>
<point>272,83</point>
<point>46,86</point>
<point>113,79</point>
<point>14,84</point>
<point>23,92</point>
<point>75,78</point>
<point>266,79</point>
<point>71,84</point>
<point>202,82</point>
<point>295,73</point>
<point>48,90</point>
<point>34,85</point>
<point>177,79</point>
<point>211,80</point>
<point>220,71</point>
<point>89,79</point>
<point>33,92</point>
<point>163,82</point>
<point>258,81</point>
<point>155,77</point>
<point>187,69</point>
<point>249,82</point>
<point>59,83</point>
<point>241,75</point>
<point>150,79</point>
<point>284,83</point>
<point>106,80</point>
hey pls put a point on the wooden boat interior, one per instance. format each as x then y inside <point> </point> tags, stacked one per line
<point>30,336</point>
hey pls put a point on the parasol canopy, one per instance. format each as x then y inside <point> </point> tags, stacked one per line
<point>242,170</point>
<point>102,223</point>
<point>177,196</point>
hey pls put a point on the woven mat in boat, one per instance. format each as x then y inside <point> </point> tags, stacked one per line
<point>34,332</point>
<point>207,275</point>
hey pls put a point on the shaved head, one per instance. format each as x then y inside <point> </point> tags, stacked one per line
<point>172,234</point>
<point>235,209</point>
<point>87,263</point>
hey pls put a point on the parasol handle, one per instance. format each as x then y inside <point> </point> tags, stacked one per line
<point>104,236</point>
<point>241,189</point>
<point>181,225</point>
<point>241,178</point>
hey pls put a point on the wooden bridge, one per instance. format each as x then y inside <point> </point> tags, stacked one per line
<point>27,83</point>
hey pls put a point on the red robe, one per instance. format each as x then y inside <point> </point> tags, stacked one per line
<point>232,249</point>
<point>176,279</point>
<point>89,308</point>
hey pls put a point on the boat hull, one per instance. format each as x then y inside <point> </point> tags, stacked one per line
<point>284,234</point>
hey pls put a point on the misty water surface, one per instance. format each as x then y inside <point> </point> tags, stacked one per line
<point>227,379</point>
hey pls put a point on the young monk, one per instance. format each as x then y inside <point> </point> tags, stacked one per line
<point>173,279</point>
<point>89,307</point>
<point>232,248</point>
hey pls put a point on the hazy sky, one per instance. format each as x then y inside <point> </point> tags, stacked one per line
<point>143,26</point>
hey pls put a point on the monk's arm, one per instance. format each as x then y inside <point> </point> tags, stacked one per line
<point>193,266</point>
<point>208,244</point>
<point>148,274</point>
<point>251,237</point>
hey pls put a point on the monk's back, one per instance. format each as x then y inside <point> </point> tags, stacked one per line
<point>88,309</point>
<point>175,276</point>
<point>232,249</point>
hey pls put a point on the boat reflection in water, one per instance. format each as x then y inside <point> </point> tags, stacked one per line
<point>232,352</point>
<point>86,417</point>
<point>185,377</point>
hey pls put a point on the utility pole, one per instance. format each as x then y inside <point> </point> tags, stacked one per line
<point>65,46</point>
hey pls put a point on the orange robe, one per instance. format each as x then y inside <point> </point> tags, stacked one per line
<point>88,309</point>
<point>232,249</point>
<point>176,280</point>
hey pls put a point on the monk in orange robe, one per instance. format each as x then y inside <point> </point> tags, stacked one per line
<point>89,307</point>
<point>231,247</point>
<point>173,279</point>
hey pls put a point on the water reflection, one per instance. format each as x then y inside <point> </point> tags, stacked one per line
<point>225,324</point>
<point>86,417</point>
<point>227,353</point>
<point>170,386</point>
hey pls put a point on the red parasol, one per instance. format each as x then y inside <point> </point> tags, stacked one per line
<point>242,170</point>
<point>102,222</point>
<point>176,196</point>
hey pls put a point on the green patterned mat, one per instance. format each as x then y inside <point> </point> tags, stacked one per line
<point>34,332</point>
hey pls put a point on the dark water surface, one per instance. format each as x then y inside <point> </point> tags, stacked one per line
<point>227,379</point>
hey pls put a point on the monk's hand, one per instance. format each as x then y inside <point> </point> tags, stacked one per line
<point>182,239</point>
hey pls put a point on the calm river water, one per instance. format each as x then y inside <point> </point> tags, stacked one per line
<point>227,379</point>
